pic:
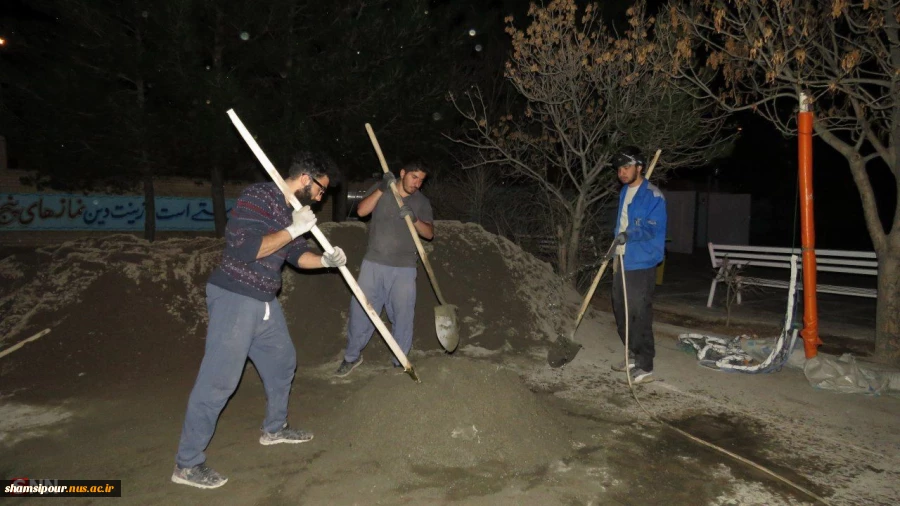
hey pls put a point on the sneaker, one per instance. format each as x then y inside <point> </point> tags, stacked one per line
<point>620,366</point>
<point>347,367</point>
<point>199,476</point>
<point>640,376</point>
<point>285,435</point>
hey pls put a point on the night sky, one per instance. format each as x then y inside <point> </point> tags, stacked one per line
<point>763,162</point>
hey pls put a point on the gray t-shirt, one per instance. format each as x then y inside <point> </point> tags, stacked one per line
<point>390,242</point>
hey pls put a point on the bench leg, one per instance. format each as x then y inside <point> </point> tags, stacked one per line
<point>712,291</point>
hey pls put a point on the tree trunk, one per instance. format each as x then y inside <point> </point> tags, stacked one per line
<point>887,316</point>
<point>887,247</point>
<point>218,196</point>
<point>146,170</point>
<point>149,203</point>
<point>574,240</point>
<point>339,204</point>
<point>562,257</point>
<point>217,173</point>
<point>573,249</point>
<point>289,81</point>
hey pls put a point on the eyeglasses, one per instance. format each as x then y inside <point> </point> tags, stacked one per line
<point>322,189</point>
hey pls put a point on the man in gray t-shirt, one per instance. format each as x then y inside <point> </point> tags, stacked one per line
<point>388,272</point>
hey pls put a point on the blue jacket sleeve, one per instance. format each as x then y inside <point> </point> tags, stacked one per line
<point>650,226</point>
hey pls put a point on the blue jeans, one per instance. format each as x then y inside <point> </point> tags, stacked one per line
<point>390,288</point>
<point>238,328</point>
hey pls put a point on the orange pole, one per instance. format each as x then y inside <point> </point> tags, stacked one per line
<point>810,330</point>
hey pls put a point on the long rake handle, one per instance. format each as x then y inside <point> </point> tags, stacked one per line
<point>323,241</point>
<point>590,293</point>
<point>409,222</point>
<point>24,342</point>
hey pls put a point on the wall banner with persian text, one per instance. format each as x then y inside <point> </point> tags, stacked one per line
<point>28,211</point>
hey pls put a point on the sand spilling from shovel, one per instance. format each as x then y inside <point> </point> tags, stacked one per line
<point>464,413</point>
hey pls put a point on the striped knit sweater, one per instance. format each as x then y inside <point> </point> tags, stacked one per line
<point>259,211</point>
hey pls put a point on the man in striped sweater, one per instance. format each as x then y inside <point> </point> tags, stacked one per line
<point>245,317</point>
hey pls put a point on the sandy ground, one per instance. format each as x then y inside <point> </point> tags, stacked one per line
<point>103,395</point>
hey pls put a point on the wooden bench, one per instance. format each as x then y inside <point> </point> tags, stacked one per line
<point>827,260</point>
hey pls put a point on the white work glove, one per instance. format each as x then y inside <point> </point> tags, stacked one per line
<point>336,258</point>
<point>304,221</point>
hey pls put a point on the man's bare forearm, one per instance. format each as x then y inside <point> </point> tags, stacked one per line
<point>367,205</point>
<point>310,260</point>
<point>425,229</point>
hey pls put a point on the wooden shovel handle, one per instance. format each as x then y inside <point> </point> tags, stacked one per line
<point>24,342</point>
<point>409,223</point>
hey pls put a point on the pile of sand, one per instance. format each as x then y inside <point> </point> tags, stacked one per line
<point>120,307</point>
<point>464,413</point>
<point>507,299</point>
<point>171,272</point>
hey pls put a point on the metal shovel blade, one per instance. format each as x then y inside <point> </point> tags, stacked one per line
<point>445,323</point>
<point>562,351</point>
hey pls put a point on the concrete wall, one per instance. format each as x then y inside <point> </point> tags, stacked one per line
<point>10,182</point>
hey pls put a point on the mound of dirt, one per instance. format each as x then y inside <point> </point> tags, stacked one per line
<point>465,414</point>
<point>121,308</point>
<point>506,298</point>
<point>174,269</point>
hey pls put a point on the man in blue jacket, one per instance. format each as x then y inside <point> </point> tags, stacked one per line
<point>641,241</point>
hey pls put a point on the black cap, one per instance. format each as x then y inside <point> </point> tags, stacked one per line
<point>628,155</point>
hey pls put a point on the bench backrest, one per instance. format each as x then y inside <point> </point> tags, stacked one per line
<point>827,260</point>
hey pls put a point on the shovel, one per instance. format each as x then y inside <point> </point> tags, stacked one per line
<point>445,319</point>
<point>565,348</point>
<point>323,241</point>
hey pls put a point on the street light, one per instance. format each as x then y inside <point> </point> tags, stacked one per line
<point>2,41</point>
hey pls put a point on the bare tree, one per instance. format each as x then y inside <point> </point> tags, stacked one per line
<point>481,182</point>
<point>111,45</point>
<point>843,54</point>
<point>587,91</point>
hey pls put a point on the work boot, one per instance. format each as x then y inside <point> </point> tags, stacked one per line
<point>199,476</point>
<point>347,367</point>
<point>285,435</point>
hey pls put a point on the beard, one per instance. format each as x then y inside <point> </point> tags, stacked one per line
<point>629,180</point>
<point>304,195</point>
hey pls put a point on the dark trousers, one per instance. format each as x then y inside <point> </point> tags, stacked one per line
<point>640,285</point>
<point>239,327</point>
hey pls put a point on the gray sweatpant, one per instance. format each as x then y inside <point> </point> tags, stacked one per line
<point>239,327</point>
<point>391,288</point>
